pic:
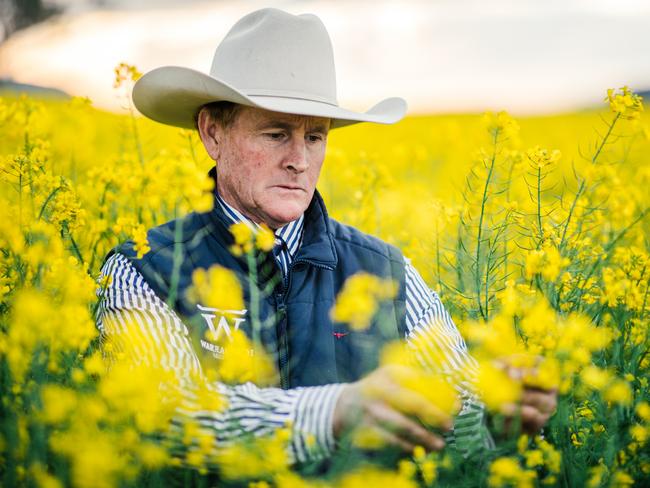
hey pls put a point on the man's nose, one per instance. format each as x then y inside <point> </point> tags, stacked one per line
<point>297,160</point>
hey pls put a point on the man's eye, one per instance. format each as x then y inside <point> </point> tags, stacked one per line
<point>314,137</point>
<point>276,136</point>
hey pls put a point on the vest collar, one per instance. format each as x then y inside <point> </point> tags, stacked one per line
<point>318,243</point>
<point>317,246</point>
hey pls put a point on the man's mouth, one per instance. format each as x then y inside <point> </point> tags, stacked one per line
<point>290,187</point>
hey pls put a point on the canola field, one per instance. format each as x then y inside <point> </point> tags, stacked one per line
<point>534,232</point>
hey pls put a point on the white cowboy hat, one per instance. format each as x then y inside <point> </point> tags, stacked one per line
<point>269,59</point>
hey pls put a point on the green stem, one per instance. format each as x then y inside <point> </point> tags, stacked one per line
<point>571,210</point>
<point>604,141</point>
<point>176,266</point>
<point>505,234</point>
<point>480,223</point>
<point>607,249</point>
<point>487,282</point>
<point>47,201</point>
<point>254,297</point>
<point>539,206</point>
<point>581,189</point>
<point>65,230</point>
<point>438,255</point>
<point>136,135</point>
<point>20,196</point>
<point>192,152</point>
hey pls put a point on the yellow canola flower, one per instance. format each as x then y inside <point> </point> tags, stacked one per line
<point>246,238</point>
<point>501,123</point>
<point>97,460</point>
<point>37,321</point>
<point>429,350</point>
<point>290,479</point>
<point>643,411</point>
<point>42,478</point>
<point>621,479</point>
<point>625,102</point>
<point>258,484</point>
<point>546,375</point>
<point>429,471</point>
<point>137,385</point>
<point>144,393</point>
<point>539,325</point>
<point>372,476</point>
<point>244,235</point>
<point>433,386</point>
<point>506,471</point>
<point>152,455</point>
<point>546,262</point>
<point>640,433</point>
<point>578,330</point>
<point>618,392</point>
<point>406,468</point>
<point>595,377</point>
<point>369,438</point>
<point>534,458</point>
<point>493,340</point>
<point>359,300</point>
<point>552,457</point>
<point>243,361</point>
<point>140,240</point>
<point>217,287</point>
<point>419,454</point>
<point>541,157</point>
<point>510,299</point>
<point>258,458</point>
<point>496,388</point>
<point>264,238</point>
<point>125,73</point>
<point>522,444</point>
<point>58,403</point>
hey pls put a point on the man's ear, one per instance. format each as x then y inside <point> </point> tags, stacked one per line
<point>208,131</point>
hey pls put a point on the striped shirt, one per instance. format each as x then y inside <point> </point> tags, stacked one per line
<point>128,299</point>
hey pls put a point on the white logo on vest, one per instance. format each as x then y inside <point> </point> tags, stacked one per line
<point>220,322</point>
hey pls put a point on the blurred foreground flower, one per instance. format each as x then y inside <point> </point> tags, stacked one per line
<point>217,287</point>
<point>359,300</point>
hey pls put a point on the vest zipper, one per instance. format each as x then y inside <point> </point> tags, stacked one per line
<point>282,331</point>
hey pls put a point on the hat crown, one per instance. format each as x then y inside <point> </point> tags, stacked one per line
<point>273,53</point>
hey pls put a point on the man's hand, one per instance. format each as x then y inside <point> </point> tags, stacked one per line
<point>380,404</point>
<point>536,407</point>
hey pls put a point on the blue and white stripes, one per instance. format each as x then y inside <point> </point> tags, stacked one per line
<point>287,238</point>
<point>128,299</point>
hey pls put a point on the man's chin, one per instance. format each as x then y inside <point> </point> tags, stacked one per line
<point>281,217</point>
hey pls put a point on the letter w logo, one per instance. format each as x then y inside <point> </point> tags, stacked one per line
<point>223,320</point>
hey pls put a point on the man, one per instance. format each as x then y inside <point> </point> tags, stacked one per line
<point>263,114</point>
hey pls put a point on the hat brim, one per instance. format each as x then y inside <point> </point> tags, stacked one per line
<point>173,94</point>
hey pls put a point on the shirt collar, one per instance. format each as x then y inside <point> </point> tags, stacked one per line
<point>289,234</point>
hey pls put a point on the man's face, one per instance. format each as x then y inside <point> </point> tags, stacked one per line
<point>268,163</point>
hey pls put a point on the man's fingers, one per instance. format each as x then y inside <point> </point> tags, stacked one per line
<point>543,400</point>
<point>509,409</point>
<point>389,390</point>
<point>405,428</point>
<point>413,404</point>
<point>389,438</point>
<point>532,419</point>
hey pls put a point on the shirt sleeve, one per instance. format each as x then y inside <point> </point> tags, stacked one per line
<point>441,348</point>
<point>128,299</point>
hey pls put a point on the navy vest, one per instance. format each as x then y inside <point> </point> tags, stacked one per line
<point>308,347</point>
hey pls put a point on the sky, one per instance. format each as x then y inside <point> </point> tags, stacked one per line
<point>523,56</point>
